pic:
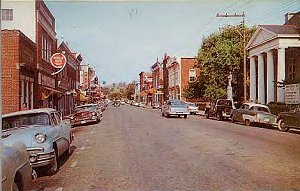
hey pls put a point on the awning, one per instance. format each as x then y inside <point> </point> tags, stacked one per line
<point>51,89</point>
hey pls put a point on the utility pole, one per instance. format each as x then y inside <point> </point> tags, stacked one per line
<point>244,45</point>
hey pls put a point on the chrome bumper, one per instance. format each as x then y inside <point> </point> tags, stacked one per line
<point>38,158</point>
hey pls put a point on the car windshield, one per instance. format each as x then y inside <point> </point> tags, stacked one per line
<point>178,104</point>
<point>25,120</point>
<point>258,108</point>
<point>84,108</point>
<point>225,102</point>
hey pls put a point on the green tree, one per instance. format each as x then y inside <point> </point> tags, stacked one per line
<point>220,54</point>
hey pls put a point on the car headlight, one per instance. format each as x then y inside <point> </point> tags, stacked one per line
<point>94,113</point>
<point>40,138</point>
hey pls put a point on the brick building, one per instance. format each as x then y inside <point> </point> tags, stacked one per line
<point>174,78</point>
<point>157,74</point>
<point>67,80</point>
<point>146,87</point>
<point>19,73</point>
<point>35,21</point>
<point>189,73</point>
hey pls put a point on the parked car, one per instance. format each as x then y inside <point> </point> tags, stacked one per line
<point>193,108</point>
<point>16,170</point>
<point>43,132</point>
<point>175,108</point>
<point>85,114</point>
<point>122,102</point>
<point>156,106</point>
<point>221,109</point>
<point>252,113</point>
<point>142,104</point>
<point>287,120</point>
<point>137,104</point>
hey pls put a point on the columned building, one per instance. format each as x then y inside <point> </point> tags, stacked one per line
<point>274,52</point>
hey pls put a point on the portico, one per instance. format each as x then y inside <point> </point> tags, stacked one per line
<point>268,49</point>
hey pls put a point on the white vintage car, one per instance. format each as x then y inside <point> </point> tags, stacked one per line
<point>16,170</point>
<point>43,132</point>
<point>252,113</point>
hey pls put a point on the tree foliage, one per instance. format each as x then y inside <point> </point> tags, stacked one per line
<point>220,54</point>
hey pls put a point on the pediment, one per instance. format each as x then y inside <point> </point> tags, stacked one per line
<point>261,36</point>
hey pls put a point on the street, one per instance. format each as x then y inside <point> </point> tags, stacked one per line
<point>137,149</point>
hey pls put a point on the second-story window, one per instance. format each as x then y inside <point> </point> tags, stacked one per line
<point>7,14</point>
<point>192,75</point>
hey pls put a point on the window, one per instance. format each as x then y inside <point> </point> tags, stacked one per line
<point>53,120</point>
<point>292,72</point>
<point>6,14</point>
<point>192,75</point>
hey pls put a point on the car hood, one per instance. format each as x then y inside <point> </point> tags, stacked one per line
<point>25,135</point>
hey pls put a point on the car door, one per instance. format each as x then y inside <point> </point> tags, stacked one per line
<point>63,134</point>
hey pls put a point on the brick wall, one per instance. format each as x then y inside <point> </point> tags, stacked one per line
<point>186,65</point>
<point>10,71</point>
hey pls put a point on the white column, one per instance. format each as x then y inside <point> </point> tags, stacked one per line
<point>252,79</point>
<point>270,77</point>
<point>281,73</point>
<point>261,79</point>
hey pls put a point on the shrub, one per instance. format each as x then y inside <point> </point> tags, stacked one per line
<point>277,107</point>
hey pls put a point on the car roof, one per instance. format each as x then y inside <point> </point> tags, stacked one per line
<point>86,105</point>
<point>256,104</point>
<point>31,111</point>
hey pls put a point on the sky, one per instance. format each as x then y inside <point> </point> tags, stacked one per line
<point>122,38</point>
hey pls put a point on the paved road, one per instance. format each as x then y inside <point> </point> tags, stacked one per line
<point>137,149</point>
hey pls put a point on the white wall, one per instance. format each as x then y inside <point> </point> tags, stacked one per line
<point>23,17</point>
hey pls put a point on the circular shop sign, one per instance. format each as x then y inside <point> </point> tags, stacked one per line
<point>58,60</point>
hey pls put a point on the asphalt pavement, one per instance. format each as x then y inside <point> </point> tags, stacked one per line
<point>138,149</point>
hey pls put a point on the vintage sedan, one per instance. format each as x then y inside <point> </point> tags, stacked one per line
<point>43,132</point>
<point>193,108</point>
<point>287,120</point>
<point>85,114</point>
<point>252,113</point>
<point>221,109</point>
<point>175,108</point>
<point>16,170</point>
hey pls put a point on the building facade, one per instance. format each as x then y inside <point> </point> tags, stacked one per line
<point>19,73</point>
<point>146,87</point>
<point>189,73</point>
<point>35,21</point>
<point>158,85</point>
<point>174,78</point>
<point>274,52</point>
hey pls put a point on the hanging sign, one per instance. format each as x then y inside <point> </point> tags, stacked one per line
<point>58,61</point>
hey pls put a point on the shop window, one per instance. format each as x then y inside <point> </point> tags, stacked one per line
<point>6,14</point>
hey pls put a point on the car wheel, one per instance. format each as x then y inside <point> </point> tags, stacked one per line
<point>207,116</point>
<point>219,118</point>
<point>282,126</point>
<point>53,168</point>
<point>185,116</point>
<point>168,115</point>
<point>15,187</point>
<point>232,119</point>
<point>247,122</point>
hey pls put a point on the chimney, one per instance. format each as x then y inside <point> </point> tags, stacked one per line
<point>288,16</point>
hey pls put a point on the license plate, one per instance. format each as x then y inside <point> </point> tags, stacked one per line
<point>179,112</point>
<point>82,122</point>
<point>266,120</point>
